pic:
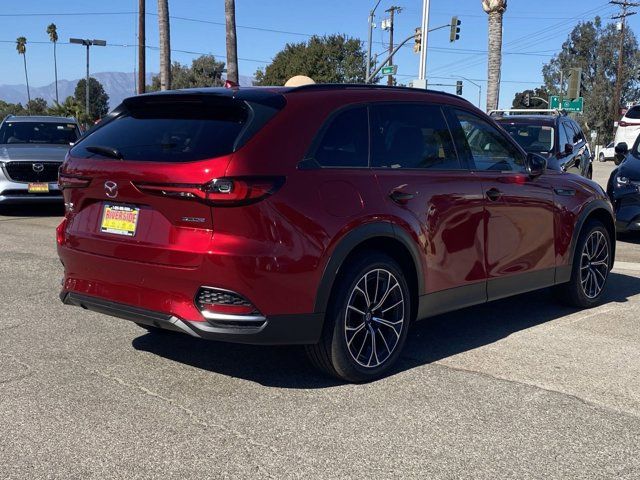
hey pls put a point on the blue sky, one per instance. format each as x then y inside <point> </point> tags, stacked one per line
<point>533,31</point>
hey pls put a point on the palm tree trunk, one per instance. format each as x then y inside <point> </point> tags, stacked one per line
<point>232,44</point>
<point>165,45</point>
<point>142,47</point>
<point>495,59</point>
<point>26,76</point>
<point>55,69</point>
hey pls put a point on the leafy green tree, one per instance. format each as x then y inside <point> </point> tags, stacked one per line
<point>98,99</point>
<point>69,108</point>
<point>534,98</point>
<point>11,109</point>
<point>328,59</point>
<point>594,48</point>
<point>37,106</point>
<point>204,71</point>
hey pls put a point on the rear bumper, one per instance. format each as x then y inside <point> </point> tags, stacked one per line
<point>276,330</point>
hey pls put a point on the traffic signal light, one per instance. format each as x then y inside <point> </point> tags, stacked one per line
<point>527,100</point>
<point>459,87</point>
<point>455,29</point>
<point>418,40</point>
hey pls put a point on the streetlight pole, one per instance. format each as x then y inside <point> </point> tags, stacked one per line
<point>422,71</point>
<point>371,18</point>
<point>87,43</point>
<point>479,89</point>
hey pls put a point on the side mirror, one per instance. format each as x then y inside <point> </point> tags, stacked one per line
<point>536,164</point>
<point>622,149</point>
<point>568,149</point>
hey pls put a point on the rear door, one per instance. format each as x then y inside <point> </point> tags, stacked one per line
<point>130,207</point>
<point>428,189</point>
<point>519,210</point>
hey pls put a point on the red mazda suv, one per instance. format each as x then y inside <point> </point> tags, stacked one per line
<point>331,216</point>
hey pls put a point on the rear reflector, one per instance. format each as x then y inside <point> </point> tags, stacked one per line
<point>220,192</point>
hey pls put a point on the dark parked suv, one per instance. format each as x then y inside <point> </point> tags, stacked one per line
<point>552,134</point>
<point>332,216</point>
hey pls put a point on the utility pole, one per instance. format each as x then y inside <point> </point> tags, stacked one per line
<point>87,43</point>
<point>372,15</point>
<point>422,70</point>
<point>622,16</point>
<point>391,11</point>
<point>142,73</point>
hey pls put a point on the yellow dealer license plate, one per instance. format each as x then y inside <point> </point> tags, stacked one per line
<point>120,220</point>
<point>38,188</point>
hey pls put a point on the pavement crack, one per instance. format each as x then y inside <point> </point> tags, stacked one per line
<point>246,439</point>
<point>589,403</point>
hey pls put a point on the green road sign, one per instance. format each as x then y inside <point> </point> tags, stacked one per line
<point>390,70</point>
<point>568,104</point>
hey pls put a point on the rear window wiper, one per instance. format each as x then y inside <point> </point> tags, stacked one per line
<point>110,152</point>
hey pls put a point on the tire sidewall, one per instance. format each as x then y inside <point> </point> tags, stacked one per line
<point>576,280</point>
<point>343,362</point>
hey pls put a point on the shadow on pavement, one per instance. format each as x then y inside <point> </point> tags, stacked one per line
<point>42,210</point>
<point>430,340</point>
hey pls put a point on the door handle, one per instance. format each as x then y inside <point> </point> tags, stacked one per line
<point>494,194</point>
<point>401,197</point>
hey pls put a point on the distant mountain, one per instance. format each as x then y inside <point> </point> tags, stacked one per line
<point>118,85</point>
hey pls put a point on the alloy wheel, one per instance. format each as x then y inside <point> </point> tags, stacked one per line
<point>594,264</point>
<point>374,318</point>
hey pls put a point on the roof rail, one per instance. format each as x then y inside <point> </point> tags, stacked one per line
<point>368,86</point>
<point>527,111</point>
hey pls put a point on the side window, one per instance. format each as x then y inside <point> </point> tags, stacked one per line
<point>570,133</point>
<point>488,148</point>
<point>579,137</point>
<point>345,143</point>
<point>411,136</point>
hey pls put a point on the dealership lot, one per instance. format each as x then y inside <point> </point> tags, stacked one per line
<point>520,388</point>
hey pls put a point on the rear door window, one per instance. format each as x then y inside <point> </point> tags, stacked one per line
<point>633,112</point>
<point>411,136</point>
<point>345,141</point>
<point>171,130</point>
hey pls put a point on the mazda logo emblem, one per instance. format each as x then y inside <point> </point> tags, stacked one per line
<point>111,189</point>
<point>37,167</point>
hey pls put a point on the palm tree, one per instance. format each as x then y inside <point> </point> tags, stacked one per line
<point>53,36</point>
<point>165,45</point>
<point>495,9</point>
<point>142,47</point>
<point>232,44</point>
<point>21,47</point>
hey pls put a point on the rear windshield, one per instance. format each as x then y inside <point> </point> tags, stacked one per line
<point>633,112</point>
<point>38,133</point>
<point>169,130</point>
<point>533,138</point>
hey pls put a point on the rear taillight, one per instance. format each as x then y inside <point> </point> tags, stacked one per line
<point>72,181</point>
<point>60,231</point>
<point>220,192</point>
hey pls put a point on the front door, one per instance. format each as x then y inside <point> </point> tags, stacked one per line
<point>519,209</point>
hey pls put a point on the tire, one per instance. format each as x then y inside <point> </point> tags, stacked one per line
<point>601,158</point>
<point>363,335</point>
<point>590,269</point>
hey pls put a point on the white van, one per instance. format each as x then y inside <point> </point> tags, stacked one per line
<point>628,127</point>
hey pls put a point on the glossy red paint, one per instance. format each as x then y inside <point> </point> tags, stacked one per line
<point>274,252</point>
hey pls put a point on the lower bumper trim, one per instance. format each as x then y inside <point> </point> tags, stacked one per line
<point>277,330</point>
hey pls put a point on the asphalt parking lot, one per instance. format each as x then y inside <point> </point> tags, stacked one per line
<point>520,388</point>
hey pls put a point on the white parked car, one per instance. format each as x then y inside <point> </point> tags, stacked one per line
<point>628,127</point>
<point>607,153</point>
